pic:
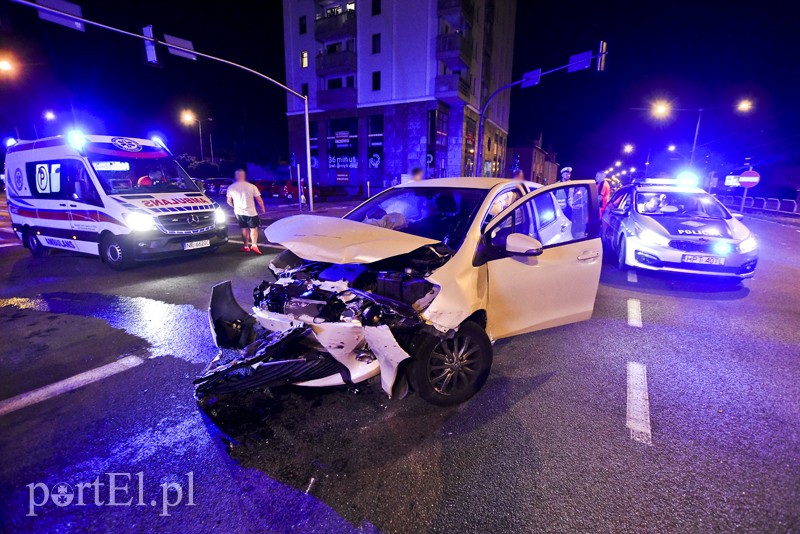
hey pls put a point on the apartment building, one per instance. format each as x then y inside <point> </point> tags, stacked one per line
<point>397,84</point>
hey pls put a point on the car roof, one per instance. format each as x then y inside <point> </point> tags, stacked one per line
<point>455,183</point>
<point>668,189</point>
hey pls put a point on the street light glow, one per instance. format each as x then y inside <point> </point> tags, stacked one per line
<point>633,169</point>
<point>6,65</point>
<point>628,148</point>
<point>187,117</point>
<point>49,115</point>
<point>661,109</point>
<point>618,164</point>
<point>671,148</point>
<point>744,105</point>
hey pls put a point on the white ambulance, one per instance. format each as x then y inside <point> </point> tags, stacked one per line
<point>121,198</point>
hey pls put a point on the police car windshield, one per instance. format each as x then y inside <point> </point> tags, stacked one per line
<point>443,214</point>
<point>680,204</point>
<point>121,175</point>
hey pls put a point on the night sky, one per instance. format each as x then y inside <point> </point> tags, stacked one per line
<point>697,54</point>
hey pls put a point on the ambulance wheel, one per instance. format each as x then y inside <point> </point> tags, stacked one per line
<point>32,242</point>
<point>115,253</point>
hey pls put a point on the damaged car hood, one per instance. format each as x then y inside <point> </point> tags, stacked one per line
<point>328,239</point>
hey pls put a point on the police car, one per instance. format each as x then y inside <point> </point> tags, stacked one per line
<point>661,225</point>
<point>121,198</point>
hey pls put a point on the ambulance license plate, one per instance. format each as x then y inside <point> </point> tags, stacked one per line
<point>705,260</point>
<point>191,245</point>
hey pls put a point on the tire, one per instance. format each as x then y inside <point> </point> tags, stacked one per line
<point>116,253</point>
<point>446,372</point>
<point>32,243</point>
<point>622,251</point>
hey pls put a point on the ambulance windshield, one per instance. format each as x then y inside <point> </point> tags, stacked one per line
<point>131,175</point>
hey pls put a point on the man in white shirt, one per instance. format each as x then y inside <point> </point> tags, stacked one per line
<point>242,196</point>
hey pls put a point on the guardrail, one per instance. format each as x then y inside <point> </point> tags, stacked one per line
<point>783,206</point>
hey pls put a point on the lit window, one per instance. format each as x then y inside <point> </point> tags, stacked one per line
<point>351,6</point>
<point>304,59</point>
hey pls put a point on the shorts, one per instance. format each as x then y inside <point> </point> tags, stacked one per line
<point>246,221</point>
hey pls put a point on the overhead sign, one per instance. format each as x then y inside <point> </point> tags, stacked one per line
<point>732,180</point>
<point>529,79</point>
<point>183,43</point>
<point>749,179</point>
<point>580,61</point>
<point>65,7</point>
<point>150,45</point>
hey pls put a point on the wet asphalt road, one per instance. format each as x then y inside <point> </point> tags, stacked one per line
<point>543,447</point>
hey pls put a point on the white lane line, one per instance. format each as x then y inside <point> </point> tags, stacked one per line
<point>2,245</point>
<point>74,382</point>
<point>633,277</point>
<point>638,416</point>
<point>634,313</point>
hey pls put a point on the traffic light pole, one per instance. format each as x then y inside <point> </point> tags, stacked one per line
<point>477,171</point>
<point>289,90</point>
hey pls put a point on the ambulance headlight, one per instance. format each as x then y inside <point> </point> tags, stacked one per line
<point>140,222</point>
<point>748,245</point>
<point>220,216</point>
<point>652,237</point>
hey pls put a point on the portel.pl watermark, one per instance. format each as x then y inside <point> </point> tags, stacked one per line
<point>111,489</point>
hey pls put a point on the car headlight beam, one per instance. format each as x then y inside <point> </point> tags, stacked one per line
<point>748,244</point>
<point>652,237</point>
<point>220,216</point>
<point>140,222</point>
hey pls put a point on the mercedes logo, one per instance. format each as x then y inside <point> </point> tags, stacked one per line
<point>193,219</point>
<point>126,144</point>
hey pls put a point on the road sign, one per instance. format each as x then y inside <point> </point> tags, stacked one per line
<point>529,79</point>
<point>749,178</point>
<point>580,61</point>
<point>65,7</point>
<point>732,180</point>
<point>183,43</point>
<point>150,46</point>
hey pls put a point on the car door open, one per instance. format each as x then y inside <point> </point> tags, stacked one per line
<point>530,287</point>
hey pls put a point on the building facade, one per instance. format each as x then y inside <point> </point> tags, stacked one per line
<point>397,84</point>
<point>536,163</point>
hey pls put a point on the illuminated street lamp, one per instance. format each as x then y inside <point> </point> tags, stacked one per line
<point>633,169</point>
<point>618,164</point>
<point>49,115</point>
<point>745,105</point>
<point>6,65</point>
<point>188,118</point>
<point>628,148</point>
<point>671,148</point>
<point>661,109</point>
<point>624,172</point>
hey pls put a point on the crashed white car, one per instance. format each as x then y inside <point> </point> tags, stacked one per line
<point>415,284</point>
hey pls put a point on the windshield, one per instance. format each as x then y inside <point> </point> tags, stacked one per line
<point>678,204</point>
<point>439,213</point>
<point>125,175</point>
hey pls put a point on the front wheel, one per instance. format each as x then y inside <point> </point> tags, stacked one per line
<point>34,245</point>
<point>450,371</point>
<point>116,253</point>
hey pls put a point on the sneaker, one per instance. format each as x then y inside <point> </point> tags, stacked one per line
<point>255,250</point>
<point>245,249</point>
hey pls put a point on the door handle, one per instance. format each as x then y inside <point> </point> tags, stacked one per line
<point>73,205</point>
<point>563,227</point>
<point>588,255</point>
<point>63,205</point>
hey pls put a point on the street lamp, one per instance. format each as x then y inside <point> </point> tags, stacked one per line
<point>628,148</point>
<point>618,164</point>
<point>633,169</point>
<point>661,109</point>
<point>745,105</point>
<point>671,148</point>
<point>188,118</point>
<point>49,115</point>
<point>6,65</point>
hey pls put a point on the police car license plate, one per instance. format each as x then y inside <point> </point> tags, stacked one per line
<point>191,245</point>
<point>706,260</point>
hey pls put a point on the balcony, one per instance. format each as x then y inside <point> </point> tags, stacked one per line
<point>341,98</point>
<point>452,89</point>
<point>336,27</point>
<point>343,62</point>
<point>455,50</point>
<point>456,12</point>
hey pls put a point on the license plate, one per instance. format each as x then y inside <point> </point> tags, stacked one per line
<point>705,260</point>
<point>191,245</point>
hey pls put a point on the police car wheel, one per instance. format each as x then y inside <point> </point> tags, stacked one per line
<point>32,242</point>
<point>115,253</point>
<point>621,254</point>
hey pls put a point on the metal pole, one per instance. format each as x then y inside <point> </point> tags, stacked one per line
<point>696,133</point>
<point>744,196</point>
<point>200,129</point>
<point>308,157</point>
<point>211,144</point>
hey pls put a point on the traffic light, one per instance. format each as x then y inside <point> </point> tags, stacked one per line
<point>601,56</point>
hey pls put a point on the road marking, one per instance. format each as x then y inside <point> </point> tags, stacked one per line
<point>638,416</point>
<point>634,313</point>
<point>10,245</point>
<point>310,485</point>
<point>633,277</point>
<point>53,390</point>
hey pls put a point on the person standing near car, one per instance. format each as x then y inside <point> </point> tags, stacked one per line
<point>242,196</point>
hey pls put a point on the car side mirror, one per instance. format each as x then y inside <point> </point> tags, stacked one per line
<point>738,216</point>
<point>523,245</point>
<point>619,211</point>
